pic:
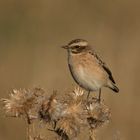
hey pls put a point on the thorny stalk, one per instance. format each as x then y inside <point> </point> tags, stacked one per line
<point>28,123</point>
<point>28,131</point>
<point>92,134</point>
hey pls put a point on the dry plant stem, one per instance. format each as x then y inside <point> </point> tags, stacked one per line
<point>28,126</point>
<point>92,135</point>
<point>28,131</point>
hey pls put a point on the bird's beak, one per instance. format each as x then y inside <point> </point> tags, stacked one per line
<point>65,47</point>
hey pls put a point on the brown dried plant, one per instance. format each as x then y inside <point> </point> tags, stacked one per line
<point>66,116</point>
<point>37,138</point>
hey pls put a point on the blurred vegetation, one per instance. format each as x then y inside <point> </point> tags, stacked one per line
<point>31,33</point>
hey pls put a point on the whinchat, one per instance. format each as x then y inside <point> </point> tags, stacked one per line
<point>86,67</point>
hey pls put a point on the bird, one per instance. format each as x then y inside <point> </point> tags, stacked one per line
<point>87,68</point>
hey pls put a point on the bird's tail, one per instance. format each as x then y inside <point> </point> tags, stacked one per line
<point>113,87</point>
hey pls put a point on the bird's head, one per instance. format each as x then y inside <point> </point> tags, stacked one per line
<point>76,46</point>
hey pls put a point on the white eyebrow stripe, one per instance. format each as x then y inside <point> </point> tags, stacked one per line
<point>79,44</point>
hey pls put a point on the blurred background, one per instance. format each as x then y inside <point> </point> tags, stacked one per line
<point>31,33</point>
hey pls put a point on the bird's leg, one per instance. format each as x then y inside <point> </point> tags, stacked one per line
<point>99,97</point>
<point>88,94</point>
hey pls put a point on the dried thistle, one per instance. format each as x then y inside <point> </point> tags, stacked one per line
<point>77,94</point>
<point>51,109</point>
<point>20,102</point>
<point>67,114</point>
<point>73,115</point>
<point>98,113</point>
<point>68,127</point>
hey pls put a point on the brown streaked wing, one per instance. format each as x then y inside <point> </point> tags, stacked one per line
<point>103,65</point>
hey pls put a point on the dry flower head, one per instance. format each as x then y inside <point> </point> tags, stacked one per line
<point>98,113</point>
<point>67,114</point>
